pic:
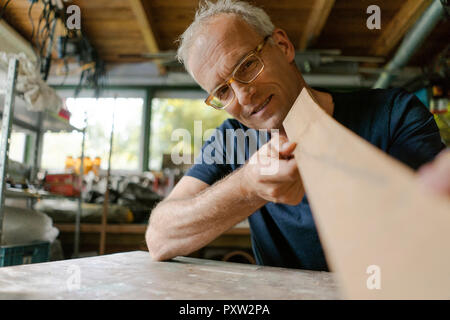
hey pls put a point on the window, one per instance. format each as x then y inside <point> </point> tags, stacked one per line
<point>169,114</point>
<point>99,113</point>
<point>19,146</point>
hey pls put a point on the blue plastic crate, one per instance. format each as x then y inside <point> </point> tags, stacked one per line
<point>12,255</point>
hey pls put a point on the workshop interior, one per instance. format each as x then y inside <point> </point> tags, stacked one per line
<point>92,93</point>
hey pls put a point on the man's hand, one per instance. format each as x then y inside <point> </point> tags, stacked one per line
<point>272,173</point>
<point>436,174</point>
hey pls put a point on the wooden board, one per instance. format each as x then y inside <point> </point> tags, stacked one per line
<point>370,211</point>
<point>133,275</point>
<point>133,228</point>
<point>131,237</point>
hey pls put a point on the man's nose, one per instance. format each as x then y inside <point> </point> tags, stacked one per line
<point>244,92</point>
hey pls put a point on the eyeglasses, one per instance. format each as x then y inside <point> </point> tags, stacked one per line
<point>248,69</point>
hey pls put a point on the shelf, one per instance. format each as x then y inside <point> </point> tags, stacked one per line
<point>20,194</point>
<point>129,228</point>
<point>30,119</point>
<point>54,123</point>
<point>14,111</point>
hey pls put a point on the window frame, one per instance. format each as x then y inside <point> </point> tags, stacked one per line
<point>147,93</point>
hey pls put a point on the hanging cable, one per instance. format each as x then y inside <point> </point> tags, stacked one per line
<point>31,21</point>
<point>48,58</point>
<point>71,44</point>
<point>4,8</point>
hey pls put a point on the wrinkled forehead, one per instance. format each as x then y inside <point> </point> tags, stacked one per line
<point>218,47</point>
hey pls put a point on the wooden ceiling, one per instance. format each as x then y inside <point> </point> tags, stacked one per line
<point>121,30</point>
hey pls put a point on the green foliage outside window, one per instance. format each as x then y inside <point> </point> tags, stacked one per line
<point>443,122</point>
<point>171,114</point>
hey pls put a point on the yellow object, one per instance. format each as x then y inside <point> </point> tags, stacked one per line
<point>77,165</point>
<point>69,165</point>
<point>87,165</point>
<point>96,165</point>
<point>130,216</point>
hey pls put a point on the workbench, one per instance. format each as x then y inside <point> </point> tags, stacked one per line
<point>134,275</point>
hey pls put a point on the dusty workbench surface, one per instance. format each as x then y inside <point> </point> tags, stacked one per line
<point>133,275</point>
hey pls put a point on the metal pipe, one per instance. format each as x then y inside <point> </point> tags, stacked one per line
<point>146,130</point>
<point>337,80</point>
<point>411,42</point>
<point>8,114</point>
<point>76,244</point>
<point>108,182</point>
<point>48,58</point>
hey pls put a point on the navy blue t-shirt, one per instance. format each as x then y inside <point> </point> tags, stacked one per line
<point>286,236</point>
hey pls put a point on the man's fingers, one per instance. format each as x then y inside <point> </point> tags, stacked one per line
<point>283,170</point>
<point>286,149</point>
<point>280,147</point>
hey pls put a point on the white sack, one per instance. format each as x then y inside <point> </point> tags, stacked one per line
<point>37,94</point>
<point>22,226</point>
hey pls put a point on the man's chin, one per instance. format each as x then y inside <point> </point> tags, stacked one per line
<point>269,125</point>
<point>272,123</point>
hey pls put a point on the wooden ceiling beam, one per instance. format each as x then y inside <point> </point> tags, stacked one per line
<point>316,21</point>
<point>398,26</point>
<point>143,16</point>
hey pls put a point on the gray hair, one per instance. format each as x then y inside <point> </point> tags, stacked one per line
<point>254,16</point>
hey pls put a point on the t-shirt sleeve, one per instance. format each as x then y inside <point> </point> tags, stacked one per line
<point>415,137</point>
<point>210,165</point>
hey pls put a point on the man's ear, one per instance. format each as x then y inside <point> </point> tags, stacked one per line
<point>281,39</point>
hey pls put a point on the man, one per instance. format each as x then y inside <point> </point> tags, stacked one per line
<point>247,66</point>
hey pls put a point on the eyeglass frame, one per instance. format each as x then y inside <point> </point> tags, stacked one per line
<point>232,78</point>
